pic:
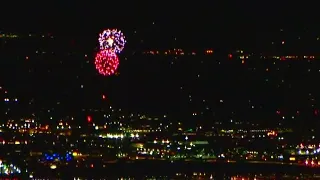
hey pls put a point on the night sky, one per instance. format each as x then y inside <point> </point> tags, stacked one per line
<point>217,22</point>
<point>156,25</point>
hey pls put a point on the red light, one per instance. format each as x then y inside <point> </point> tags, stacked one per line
<point>301,145</point>
<point>103,97</point>
<point>91,165</point>
<point>230,55</point>
<point>106,62</point>
<point>278,112</point>
<point>89,119</point>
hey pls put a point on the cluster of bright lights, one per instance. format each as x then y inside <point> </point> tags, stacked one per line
<point>118,136</point>
<point>307,152</point>
<point>111,43</point>
<point>58,157</point>
<point>112,40</point>
<point>8,169</point>
<point>106,62</point>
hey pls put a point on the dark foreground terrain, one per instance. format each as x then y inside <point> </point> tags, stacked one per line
<point>142,169</point>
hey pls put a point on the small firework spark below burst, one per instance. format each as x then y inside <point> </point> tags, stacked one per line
<point>106,62</point>
<point>112,40</point>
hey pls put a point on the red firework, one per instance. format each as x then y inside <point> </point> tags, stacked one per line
<point>106,62</point>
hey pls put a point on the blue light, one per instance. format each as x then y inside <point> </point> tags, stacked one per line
<point>56,156</point>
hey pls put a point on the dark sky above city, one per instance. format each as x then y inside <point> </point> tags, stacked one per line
<point>196,25</point>
<point>87,15</point>
<point>202,24</point>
